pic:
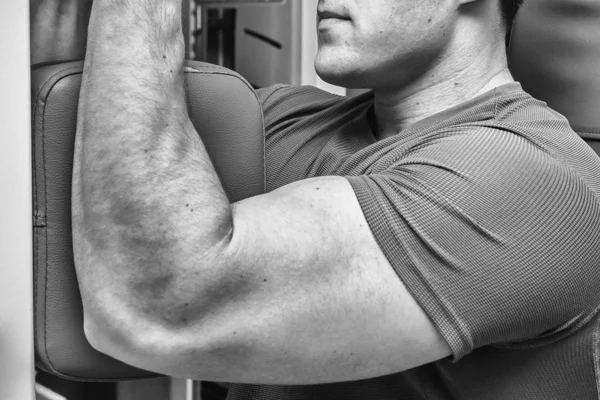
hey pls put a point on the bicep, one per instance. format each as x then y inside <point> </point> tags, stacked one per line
<point>314,298</point>
<point>321,302</point>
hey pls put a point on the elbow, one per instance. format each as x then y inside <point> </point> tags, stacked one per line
<point>126,342</point>
<point>142,323</point>
<point>149,346</point>
<point>99,336</point>
<point>142,334</point>
<point>91,332</point>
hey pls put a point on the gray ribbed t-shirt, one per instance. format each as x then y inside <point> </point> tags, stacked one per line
<point>489,212</point>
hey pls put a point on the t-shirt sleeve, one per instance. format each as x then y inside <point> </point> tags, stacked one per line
<point>493,236</point>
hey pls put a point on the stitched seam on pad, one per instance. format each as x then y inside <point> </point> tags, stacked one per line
<point>596,355</point>
<point>264,133</point>
<point>36,283</point>
<point>52,81</point>
<point>46,255</point>
<point>33,147</point>
<point>589,135</point>
<point>43,144</point>
<point>67,72</point>
<point>37,239</point>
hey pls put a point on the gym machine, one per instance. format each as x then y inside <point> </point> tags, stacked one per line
<point>564,74</point>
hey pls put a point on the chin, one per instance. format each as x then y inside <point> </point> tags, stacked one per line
<point>334,73</point>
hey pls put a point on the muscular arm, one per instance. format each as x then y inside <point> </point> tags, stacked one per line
<point>141,173</point>
<point>288,287</point>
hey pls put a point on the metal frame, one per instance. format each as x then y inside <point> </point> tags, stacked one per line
<point>17,373</point>
<point>184,389</point>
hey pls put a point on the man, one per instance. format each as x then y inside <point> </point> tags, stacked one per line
<point>435,238</point>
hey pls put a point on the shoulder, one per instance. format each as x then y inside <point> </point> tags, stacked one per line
<point>530,120</point>
<point>524,115</point>
<point>484,220</point>
<point>287,104</point>
<point>298,94</point>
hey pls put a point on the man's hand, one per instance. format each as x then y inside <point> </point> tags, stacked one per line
<point>59,29</point>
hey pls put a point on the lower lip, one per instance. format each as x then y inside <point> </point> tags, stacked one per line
<point>330,22</point>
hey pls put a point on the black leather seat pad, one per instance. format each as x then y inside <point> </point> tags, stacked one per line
<point>225,111</point>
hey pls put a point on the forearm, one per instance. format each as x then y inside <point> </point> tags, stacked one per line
<point>145,194</point>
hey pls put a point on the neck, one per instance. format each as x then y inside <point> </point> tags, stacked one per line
<point>451,82</point>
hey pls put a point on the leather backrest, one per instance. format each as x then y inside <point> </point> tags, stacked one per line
<point>555,53</point>
<point>225,111</point>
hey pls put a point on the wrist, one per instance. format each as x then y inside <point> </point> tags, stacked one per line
<point>159,18</point>
<point>136,26</point>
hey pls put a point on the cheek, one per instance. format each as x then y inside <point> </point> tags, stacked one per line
<point>377,39</point>
<point>400,30</point>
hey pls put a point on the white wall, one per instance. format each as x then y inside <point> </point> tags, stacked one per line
<point>16,280</point>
